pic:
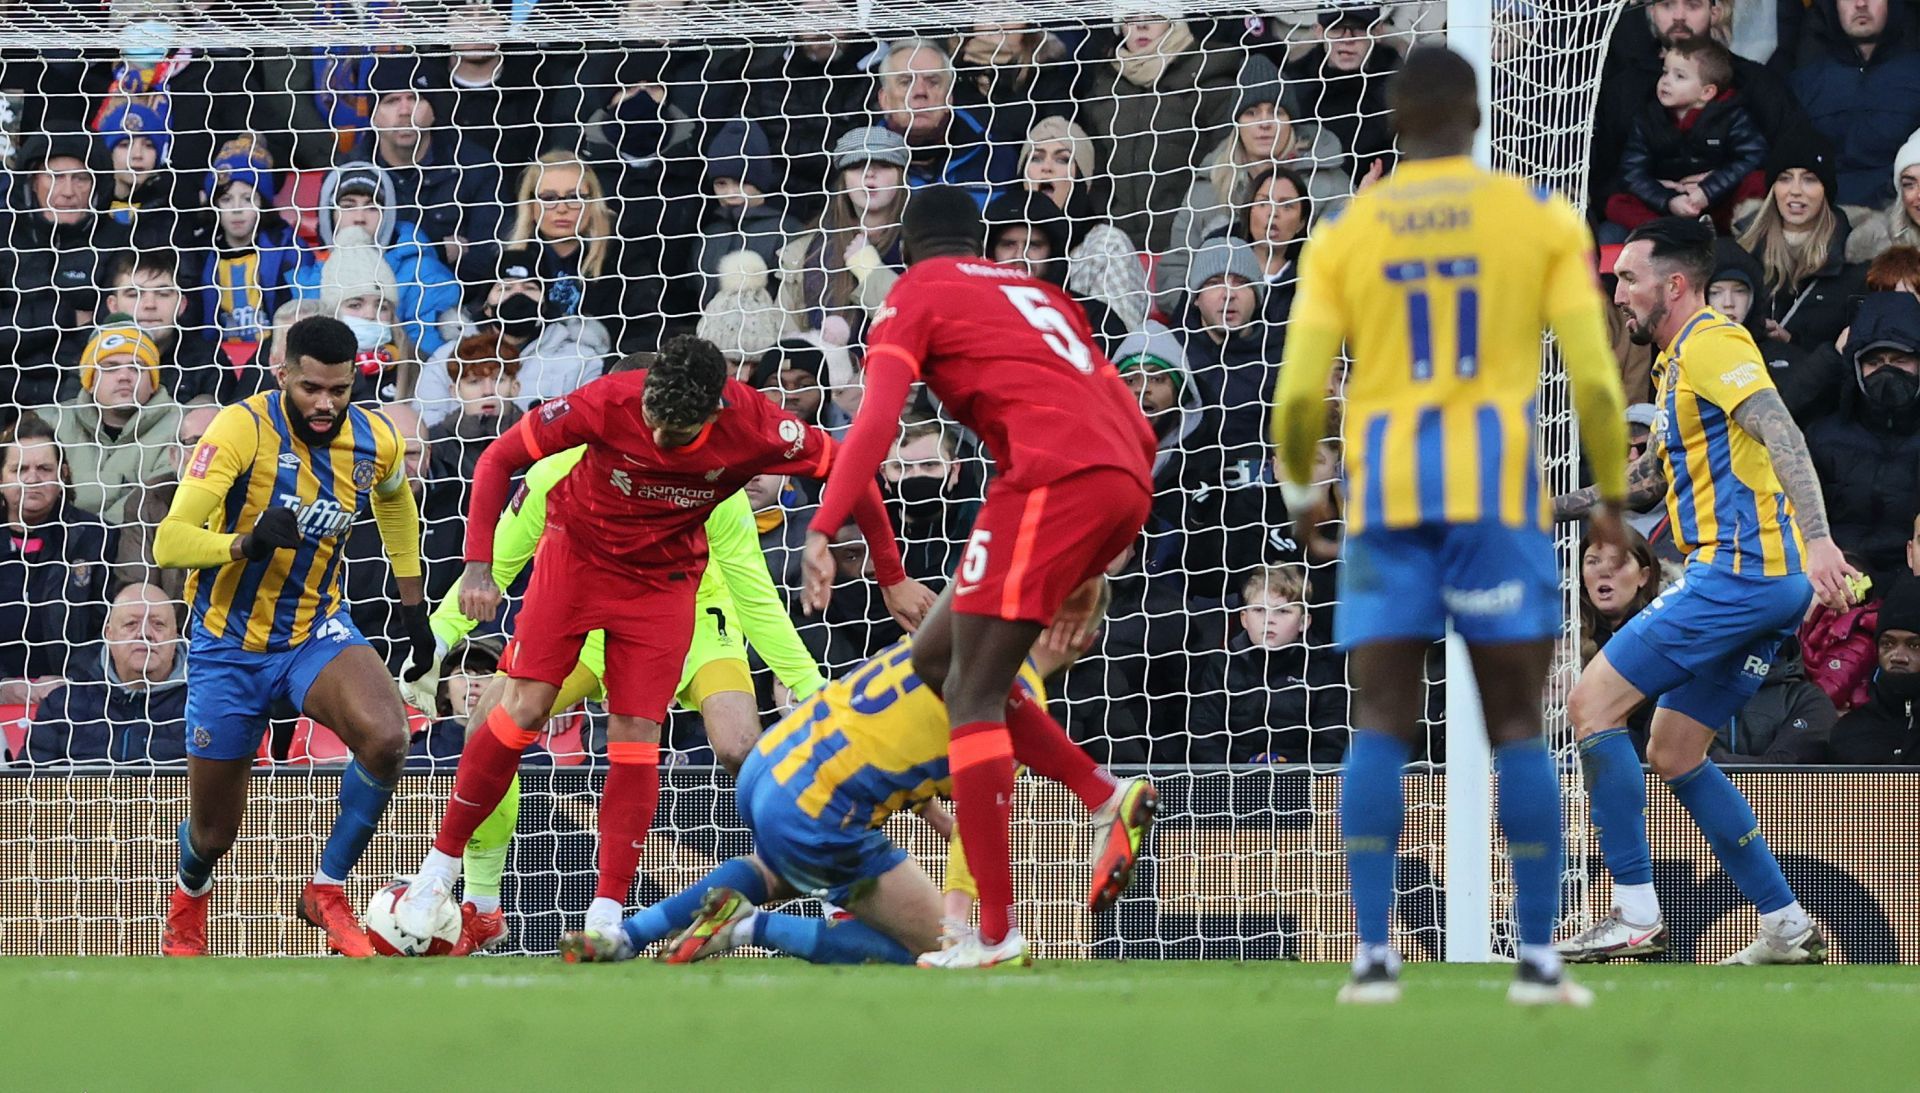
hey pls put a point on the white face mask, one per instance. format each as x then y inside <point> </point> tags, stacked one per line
<point>368,334</point>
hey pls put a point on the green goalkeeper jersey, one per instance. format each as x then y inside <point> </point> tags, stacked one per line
<point>736,582</point>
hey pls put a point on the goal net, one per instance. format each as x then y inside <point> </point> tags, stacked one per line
<point>503,199</point>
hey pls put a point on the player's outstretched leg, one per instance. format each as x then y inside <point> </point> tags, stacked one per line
<point>897,916</point>
<point>355,697</point>
<point>217,799</point>
<point>1511,677</point>
<point>1677,750</point>
<point>1617,792</point>
<point>668,917</point>
<point>1387,677</point>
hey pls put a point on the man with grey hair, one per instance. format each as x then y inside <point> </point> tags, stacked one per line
<point>125,702</point>
<point>914,97</point>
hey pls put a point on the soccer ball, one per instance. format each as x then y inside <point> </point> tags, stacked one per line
<point>389,940</point>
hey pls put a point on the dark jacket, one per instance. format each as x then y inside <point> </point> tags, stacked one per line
<point>1270,705</point>
<point>1149,139</point>
<point>1819,309</point>
<point>1238,519</point>
<point>966,157</point>
<point>1627,80</point>
<point>805,105</point>
<point>53,599</point>
<point>762,229</point>
<point>1351,106</point>
<point>48,275</point>
<point>1808,378</point>
<point>1869,460</point>
<point>508,119</point>
<point>1789,720</point>
<point>1884,731</point>
<point>1722,140</point>
<point>162,213</point>
<point>1867,107</point>
<point>97,718</point>
<point>456,191</point>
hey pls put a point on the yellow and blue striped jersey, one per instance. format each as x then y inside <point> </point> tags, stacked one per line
<point>869,745</point>
<point>1441,280</point>
<point>251,460</point>
<point>1726,505</point>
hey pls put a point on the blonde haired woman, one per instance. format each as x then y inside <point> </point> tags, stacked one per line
<point>1800,238</point>
<point>561,212</point>
<point>1102,263</point>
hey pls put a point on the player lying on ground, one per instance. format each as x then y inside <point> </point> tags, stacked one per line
<point>623,552</point>
<point>1441,280</point>
<point>1013,359</point>
<point>816,793</point>
<point>292,467</point>
<point>1745,504</point>
<point>736,600</point>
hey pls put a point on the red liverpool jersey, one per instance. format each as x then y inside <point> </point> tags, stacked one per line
<point>629,502</point>
<point>1013,358</point>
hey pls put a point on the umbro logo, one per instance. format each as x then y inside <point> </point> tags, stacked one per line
<point>290,461</point>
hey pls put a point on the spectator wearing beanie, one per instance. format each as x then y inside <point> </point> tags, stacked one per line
<point>741,320</point>
<point>359,194</point>
<point>1151,109</point>
<point>843,266</point>
<point>1103,264</point>
<point>1864,95</point>
<point>558,353</point>
<point>117,432</point>
<point>1809,379</point>
<point>1885,730</point>
<point>1267,133</point>
<point>807,377</point>
<point>1899,224</point>
<point>451,188</point>
<point>1867,452</point>
<point>746,205</point>
<point>144,194</point>
<point>1800,237</point>
<point>252,260</point>
<point>356,287</point>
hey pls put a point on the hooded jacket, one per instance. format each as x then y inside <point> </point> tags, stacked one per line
<point>48,274</point>
<point>1808,379</point>
<point>1884,731</point>
<point>1284,705</point>
<point>763,228</point>
<point>1868,106</point>
<point>108,470</point>
<point>428,289</point>
<point>1789,720</point>
<point>457,190</point>
<point>1869,460</point>
<point>99,718</point>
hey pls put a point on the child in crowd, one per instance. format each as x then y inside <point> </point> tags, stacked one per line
<point>1267,697</point>
<point>1694,150</point>
<point>254,258</point>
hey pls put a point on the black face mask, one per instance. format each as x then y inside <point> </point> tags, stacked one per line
<point>1893,397</point>
<point>520,316</point>
<point>1898,686</point>
<point>922,498</point>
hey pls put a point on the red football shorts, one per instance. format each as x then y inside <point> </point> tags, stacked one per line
<point>648,619</point>
<point>1031,548</point>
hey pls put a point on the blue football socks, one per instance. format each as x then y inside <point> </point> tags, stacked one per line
<point>1617,788</point>
<point>827,941</point>
<point>1372,810</point>
<point>1733,831</point>
<point>1530,819</point>
<point>675,913</point>
<point>363,800</point>
<point>196,872</point>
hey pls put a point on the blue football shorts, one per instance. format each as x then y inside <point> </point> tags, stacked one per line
<point>817,858</point>
<point>1498,584</point>
<point>231,692</point>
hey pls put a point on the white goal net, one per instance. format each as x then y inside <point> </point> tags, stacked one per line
<point>502,199</point>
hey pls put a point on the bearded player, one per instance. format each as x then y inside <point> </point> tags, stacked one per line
<point>736,604</point>
<point>1013,359</point>
<point>292,467</point>
<point>623,552</point>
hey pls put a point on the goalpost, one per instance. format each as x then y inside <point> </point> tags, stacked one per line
<point>1247,863</point>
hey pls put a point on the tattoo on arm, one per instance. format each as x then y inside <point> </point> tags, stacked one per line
<point>1766,418</point>
<point>1646,484</point>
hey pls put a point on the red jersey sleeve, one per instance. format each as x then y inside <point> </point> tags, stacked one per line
<point>568,421</point>
<point>903,329</point>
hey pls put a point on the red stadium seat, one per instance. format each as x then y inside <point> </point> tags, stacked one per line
<point>13,725</point>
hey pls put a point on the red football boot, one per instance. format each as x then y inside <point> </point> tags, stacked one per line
<point>480,930</point>
<point>325,906</point>
<point>186,933</point>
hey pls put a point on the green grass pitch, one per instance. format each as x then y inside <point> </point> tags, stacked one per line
<point>538,1025</point>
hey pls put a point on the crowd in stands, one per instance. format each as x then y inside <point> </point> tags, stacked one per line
<point>498,223</point>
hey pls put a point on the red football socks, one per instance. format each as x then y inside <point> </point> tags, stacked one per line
<point>627,805</point>
<point>487,766</point>
<point>1040,743</point>
<point>981,759</point>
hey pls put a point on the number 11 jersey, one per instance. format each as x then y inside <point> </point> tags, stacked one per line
<point>1442,279</point>
<point>1013,358</point>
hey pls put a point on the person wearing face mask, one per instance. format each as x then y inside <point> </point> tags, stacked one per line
<point>1867,452</point>
<point>557,352</point>
<point>1885,731</point>
<point>126,701</point>
<point>931,499</point>
<point>357,287</point>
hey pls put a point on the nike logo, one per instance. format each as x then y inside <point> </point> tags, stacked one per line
<point>464,801</point>
<point>1642,939</point>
